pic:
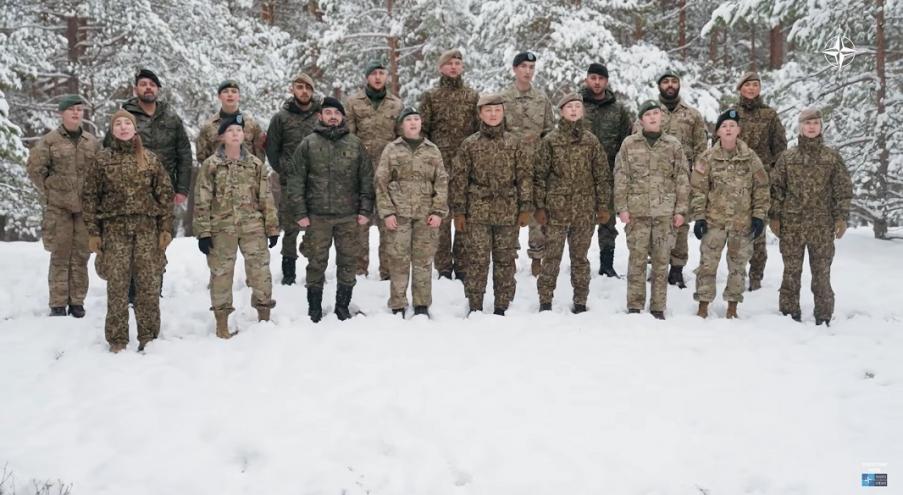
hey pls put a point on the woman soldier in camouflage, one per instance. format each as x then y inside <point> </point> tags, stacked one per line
<point>127,212</point>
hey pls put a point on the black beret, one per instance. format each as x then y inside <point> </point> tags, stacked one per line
<point>524,57</point>
<point>598,69</point>
<point>147,74</point>
<point>236,119</point>
<point>729,114</point>
<point>329,101</point>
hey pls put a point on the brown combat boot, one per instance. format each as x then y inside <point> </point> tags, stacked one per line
<point>731,310</point>
<point>703,311</point>
<point>117,348</point>
<point>536,267</point>
<point>222,324</point>
<point>263,314</point>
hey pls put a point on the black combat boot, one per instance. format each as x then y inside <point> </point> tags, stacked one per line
<point>795,315</point>
<point>421,310</point>
<point>399,311</point>
<point>819,321</point>
<point>288,270</point>
<point>658,315</point>
<point>676,276</point>
<point>58,311</point>
<point>314,302</point>
<point>342,300</point>
<point>579,308</point>
<point>633,311</point>
<point>606,263</point>
<point>545,307</point>
<point>499,311</point>
<point>77,310</point>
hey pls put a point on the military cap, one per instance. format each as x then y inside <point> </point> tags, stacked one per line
<point>69,101</point>
<point>729,114</point>
<point>330,102</point>
<point>147,74</point>
<point>304,78</point>
<point>648,105</point>
<point>523,57</point>
<point>598,69</point>
<point>748,76</point>
<point>372,66</point>
<point>569,98</point>
<point>228,83</point>
<point>448,55</point>
<point>231,120</point>
<point>810,113</point>
<point>668,73</point>
<point>406,112</point>
<point>490,99</point>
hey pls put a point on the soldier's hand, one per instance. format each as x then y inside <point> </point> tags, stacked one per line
<point>179,198</point>
<point>362,220</point>
<point>700,228</point>
<point>165,239</point>
<point>523,218</point>
<point>273,239</point>
<point>678,220</point>
<point>304,222</point>
<point>94,243</point>
<point>603,217</point>
<point>459,223</point>
<point>205,244</point>
<point>541,216</point>
<point>775,225</point>
<point>434,221</point>
<point>758,226</point>
<point>840,228</point>
<point>391,222</point>
<point>624,216</point>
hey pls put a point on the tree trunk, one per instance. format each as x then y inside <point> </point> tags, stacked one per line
<point>752,47</point>
<point>682,28</point>
<point>268,12</point>
<point>713,46</point>
<point>76,35</point>
<point>880,227</point>
<point>638,31</point>
<point>393,55</point>
<point>776,47</point>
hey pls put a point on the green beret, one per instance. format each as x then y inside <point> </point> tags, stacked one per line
<point>648,105</point>
<point>69,101</point>
<point>228,83</point>
<point>372,66</point>
<point>668,73</point>
<point>406,112</point>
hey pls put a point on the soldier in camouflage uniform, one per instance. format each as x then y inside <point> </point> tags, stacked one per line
<point>611,124</point>
<point>651,195</point>
<point>686,124</point>
<point>529,117</point>
<point>449,114</point>
<point>295,121</point>
<point>127,204</point>
<point>729,202</point>
<point>235,210</point>
<point>372,115</point>
<point>491,193</point>
<point>57,165</point>
<point>412,198</point>
<point>330,192</point>
<point>571,190</point>
<point>764,133</point>
<point>811,192</point>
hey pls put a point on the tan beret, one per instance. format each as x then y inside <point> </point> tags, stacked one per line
<point>450,54</point>
<point>490,99</point>
<point>748,76</point>
<point>304,78</point>
<point>569,98</point>
<point>123,113</point>
<point>809,113</point>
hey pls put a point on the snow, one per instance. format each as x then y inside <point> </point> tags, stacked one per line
<point>553,403</point>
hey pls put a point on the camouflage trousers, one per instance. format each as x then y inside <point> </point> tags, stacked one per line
<point>187,222</point>
<point>818,240</point>
<point>759,257</point>
<point>253,245</point>
<point>290,228</point>
<point>536,240</point>
<point>739,250</point>
<point>363,261</point>
<point>578,237</point>
<point>318,240</point>
<point>131,249</point>
<point>410,249</point>
<point>450,255</point>
<point>608,232</point>
<point>681,251</point>
<point>64,234</point>
<point>648,238</point>
<point>500,243</point>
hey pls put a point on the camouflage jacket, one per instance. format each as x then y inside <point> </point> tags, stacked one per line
<point>611,122</point>
<point>449,114</point>
<point>411,184</point>
<point>686,124</point>
<point>810,183</point>
<point>651,181</point>
<point>375,127</point>
<point>729,189</point>
<point>58,165</point>
<point>571,180</point>
<point>528,115</point>
<point>492,178</point>
<point>118,185</point>
<point>330,175</point>
<point>287,129</point>
<point>761,129</point>
<point>233,196</point>
<point>164,134</point>
<point>208,138</point>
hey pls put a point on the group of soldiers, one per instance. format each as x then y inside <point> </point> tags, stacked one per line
<point>486,164</point>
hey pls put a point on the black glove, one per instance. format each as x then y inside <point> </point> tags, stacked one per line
<point>204,244</point>
<point>273,239</point>
<point>758,226</point>
<point>700,228</point>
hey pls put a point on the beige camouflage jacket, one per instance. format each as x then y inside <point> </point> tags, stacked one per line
<point>58,165</point>
<point>729,189</point>
<point>411,184</point>
<point>651,181</point>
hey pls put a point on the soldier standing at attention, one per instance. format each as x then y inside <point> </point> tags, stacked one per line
<point>449,114</point>
<point>128,213</point>
<point>491,197</point>
<point>372,116</point>
<point>729,201</point>
<point>57,166</point>
<point>811,192</point>
<point>295,121</point>
<point>529,117</point>
<point>764,133</point>
<point>412,198</point>
<point>572,186</point>
<point>234,211</point>
<point>651,189</point>
<point>330,191</point>
<point>611,124</point>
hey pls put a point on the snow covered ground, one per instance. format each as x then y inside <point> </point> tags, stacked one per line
<point>601,403</point>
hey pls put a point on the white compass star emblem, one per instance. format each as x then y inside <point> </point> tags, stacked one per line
<point>840,52</point>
